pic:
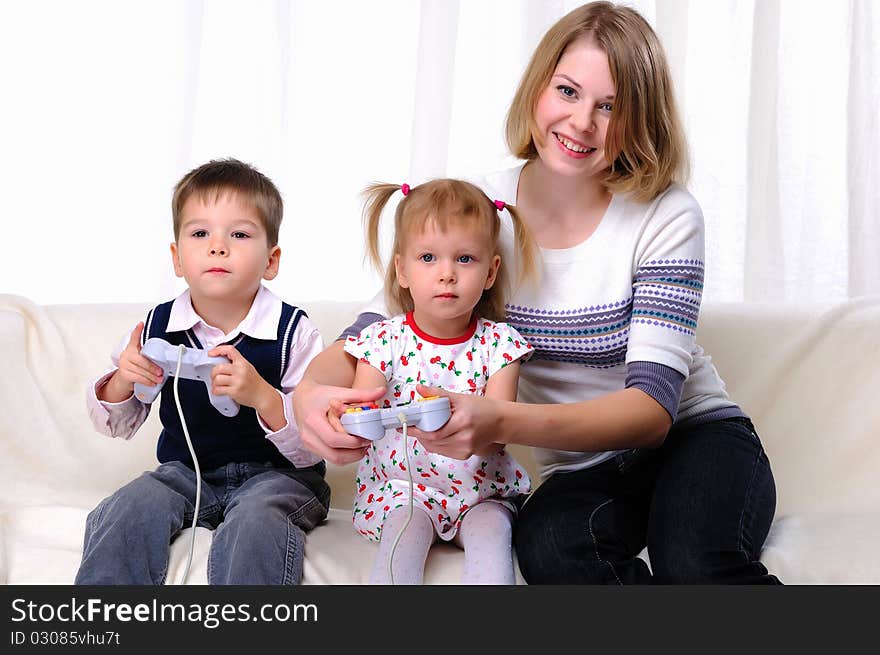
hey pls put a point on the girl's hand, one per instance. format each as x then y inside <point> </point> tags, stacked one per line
<point>472,428</point>
<point>312,403</point>
<point>133,367</point>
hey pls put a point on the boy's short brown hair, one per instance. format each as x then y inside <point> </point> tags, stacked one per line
<point>229,175</point>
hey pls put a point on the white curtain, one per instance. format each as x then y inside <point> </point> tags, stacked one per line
<point>107,103</point>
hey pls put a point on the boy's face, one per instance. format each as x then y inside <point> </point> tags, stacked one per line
<point>222,250</point>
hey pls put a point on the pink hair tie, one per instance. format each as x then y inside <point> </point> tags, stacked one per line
<point>500,204</point>
<point>404,188</point>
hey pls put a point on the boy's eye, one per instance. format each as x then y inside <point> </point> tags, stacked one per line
<point>566,90</point>
<point>465,259</point>
<point>427,258</point>
<point>198,234</point>
<point>240,235</point>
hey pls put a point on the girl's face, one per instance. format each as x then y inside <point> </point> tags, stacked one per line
<point>573,112</point>
<point>446,272</point>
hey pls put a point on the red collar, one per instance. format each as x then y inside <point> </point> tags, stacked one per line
<point>472,328</point>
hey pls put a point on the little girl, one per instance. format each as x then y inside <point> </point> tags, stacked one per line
<point>446,281</point>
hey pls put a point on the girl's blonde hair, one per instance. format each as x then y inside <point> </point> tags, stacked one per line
<point>442,203</point>
<point>645,143</point>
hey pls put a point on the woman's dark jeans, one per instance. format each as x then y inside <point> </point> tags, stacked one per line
<point>702,502</point>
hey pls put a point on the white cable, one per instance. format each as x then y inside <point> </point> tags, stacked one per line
<point>402,418</point>
<point>192,452</point>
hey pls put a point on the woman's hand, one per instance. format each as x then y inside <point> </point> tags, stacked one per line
<point>311,402</point>
<point>472,429</point>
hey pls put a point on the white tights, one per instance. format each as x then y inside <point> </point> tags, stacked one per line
<point>485,536</point>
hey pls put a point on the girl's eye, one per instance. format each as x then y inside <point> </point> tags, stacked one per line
<point>606,106</point>
<point>198,234</point>
<point>427,258</point>
<point>465,259</point>
<point>566,90</point>
<point>240,235</point>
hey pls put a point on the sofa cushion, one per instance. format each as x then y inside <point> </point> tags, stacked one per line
<point>824,548</point>
<point>43,545</point>
<point>805,374</point>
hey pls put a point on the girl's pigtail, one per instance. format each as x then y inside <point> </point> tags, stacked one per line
<point>526,248</point>
<point>377,195</point>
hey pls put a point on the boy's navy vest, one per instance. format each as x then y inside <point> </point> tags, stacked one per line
<point>219,440</point>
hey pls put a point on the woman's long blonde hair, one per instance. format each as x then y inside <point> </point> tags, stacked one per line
<point>645,144</point>
<point>444,202</point>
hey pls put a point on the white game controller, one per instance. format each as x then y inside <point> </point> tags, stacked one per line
<point>195,365</point>
<point>427,414</point>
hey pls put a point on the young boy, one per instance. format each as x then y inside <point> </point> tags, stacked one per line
<point>261,490</point>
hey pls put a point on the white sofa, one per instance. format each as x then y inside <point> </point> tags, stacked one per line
<point>808,376</point>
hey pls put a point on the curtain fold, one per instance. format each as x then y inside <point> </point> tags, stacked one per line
<point>763,269</point>
<point>107,104</point>
<point>438,32</point>
<point>863,143</point>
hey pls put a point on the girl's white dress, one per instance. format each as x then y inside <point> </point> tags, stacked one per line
<point>443,487</point>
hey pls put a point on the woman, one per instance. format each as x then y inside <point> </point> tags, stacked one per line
<point>638,443</point>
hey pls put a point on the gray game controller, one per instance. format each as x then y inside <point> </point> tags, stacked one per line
<point>427,414</point>
<point>195,365</point>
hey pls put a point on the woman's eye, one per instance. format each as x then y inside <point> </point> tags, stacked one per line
<point>606,106</point>
<point>566,90</point>
<point>465,259</point>
<point>427,258</point>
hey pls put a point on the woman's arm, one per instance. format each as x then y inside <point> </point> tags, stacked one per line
<point>333,367</point>
<point>366,376</point>
<point>629,418</point>
<point>329,377</point>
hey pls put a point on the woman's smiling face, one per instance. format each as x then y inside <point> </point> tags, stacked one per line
<point>572,114</point>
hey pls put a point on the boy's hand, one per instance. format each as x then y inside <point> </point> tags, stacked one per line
<point>133,367</point>
<point>240,381</point>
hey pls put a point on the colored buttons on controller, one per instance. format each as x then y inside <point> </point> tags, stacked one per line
<point>362,408</point>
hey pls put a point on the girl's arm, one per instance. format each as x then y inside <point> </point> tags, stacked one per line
<point>502,385</point>
<point>368,377</point>
<point>629,418</point>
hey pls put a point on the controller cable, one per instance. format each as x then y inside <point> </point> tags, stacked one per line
<point>402,418</point>
<point>192,452</point>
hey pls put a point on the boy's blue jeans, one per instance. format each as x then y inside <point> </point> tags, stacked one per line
<point>259,514</point>
<point>702,502</point>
